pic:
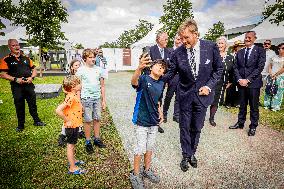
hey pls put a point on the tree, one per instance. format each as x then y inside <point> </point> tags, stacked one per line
<point>108,45</point>
<point>175,12</point>
<point>278,16</point>
<point>78,46</point>
<point>42,20</point>
<point>215,32</point>
<point>131,36</point>
<point>7,10</point>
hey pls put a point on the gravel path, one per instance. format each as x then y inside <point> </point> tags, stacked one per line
<point>226,158</point>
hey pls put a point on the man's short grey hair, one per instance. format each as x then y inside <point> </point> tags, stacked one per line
<point>159,34</point>
<point>253,32</point>
<point>10,41</point>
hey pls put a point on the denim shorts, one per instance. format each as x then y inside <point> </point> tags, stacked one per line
<point>145,139</point>
<point>92,109</point>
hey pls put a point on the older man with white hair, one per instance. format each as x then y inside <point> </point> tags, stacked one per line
<point>20,71</point>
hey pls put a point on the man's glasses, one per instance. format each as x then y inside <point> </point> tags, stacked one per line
<point>266,43</point>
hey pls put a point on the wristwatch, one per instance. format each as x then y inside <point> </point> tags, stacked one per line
<point>15,79</point>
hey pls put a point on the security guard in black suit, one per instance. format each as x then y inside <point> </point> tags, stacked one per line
<point>20,70</point>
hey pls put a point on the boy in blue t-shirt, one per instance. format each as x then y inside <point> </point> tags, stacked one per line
<point>147,116</point>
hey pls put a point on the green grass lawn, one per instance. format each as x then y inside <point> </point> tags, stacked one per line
<point>32,159</point>
<point>275,120</point>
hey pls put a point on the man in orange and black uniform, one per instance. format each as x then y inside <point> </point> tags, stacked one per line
<point>20,70</point>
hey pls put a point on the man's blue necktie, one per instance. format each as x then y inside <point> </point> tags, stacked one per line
<point>247,55</point>
<point>162,53</point>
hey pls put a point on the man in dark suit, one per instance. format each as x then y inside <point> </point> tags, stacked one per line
<point>160,51</point>
<point>172,88</point>
<point>199,65</point>
<point>248,66</point>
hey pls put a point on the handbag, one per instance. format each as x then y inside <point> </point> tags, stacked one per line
<point>271,87</point>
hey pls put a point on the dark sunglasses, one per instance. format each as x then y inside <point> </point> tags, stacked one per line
<point>266,43</point>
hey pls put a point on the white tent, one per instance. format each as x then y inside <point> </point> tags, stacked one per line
<point>149,39</point>
<point>264,31</point>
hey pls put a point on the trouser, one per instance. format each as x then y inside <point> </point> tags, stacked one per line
<point>213,110</point>
<point>172,88</point>
<point>249,96</point>
<point>22,92</point>
<point>191,123</point>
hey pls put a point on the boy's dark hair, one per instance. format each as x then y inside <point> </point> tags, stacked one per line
<point>159,61</point>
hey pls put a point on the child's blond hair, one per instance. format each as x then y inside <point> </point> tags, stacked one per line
<point>86,53</point>
<point>69,82</point>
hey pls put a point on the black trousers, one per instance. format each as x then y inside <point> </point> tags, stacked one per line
<point>191,124</point>
<point>172,88</point>
<point>249,96</point>
<point>20,94</point>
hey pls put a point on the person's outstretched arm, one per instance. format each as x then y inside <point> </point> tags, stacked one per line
<point>143,63</point>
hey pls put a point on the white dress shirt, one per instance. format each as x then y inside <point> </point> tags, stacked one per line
<point>196,50</point>
<point>249,50</point>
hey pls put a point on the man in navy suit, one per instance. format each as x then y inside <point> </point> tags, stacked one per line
<point>172,88</point>
<point>248,66</point>
<point>199,65</point>
<point>160,51</point>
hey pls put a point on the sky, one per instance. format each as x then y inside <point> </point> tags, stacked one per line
<point>93,22</point>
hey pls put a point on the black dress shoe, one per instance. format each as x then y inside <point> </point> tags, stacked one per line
<point>39,123</point>
<point>160,130</point>
<point>236,126</point>
<point>176,119</point>
<point>212,122</point>
<point>251,132</point>
<point>184,164</point>
<point>193,161</point>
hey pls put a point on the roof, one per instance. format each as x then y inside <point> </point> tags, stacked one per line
<point>241,29</point>
<point>266,30</point>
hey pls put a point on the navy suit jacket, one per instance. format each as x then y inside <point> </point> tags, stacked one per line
<point>252,70</point>
<point>155,53</point>
<point>210,71</point>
